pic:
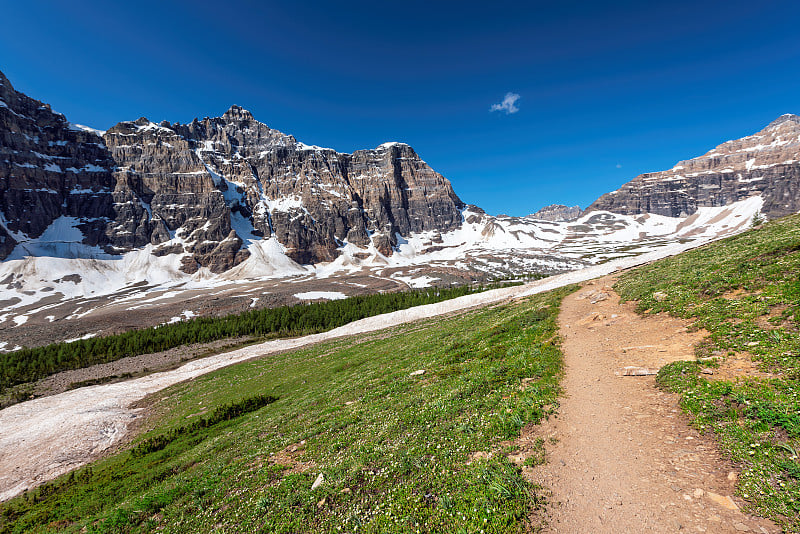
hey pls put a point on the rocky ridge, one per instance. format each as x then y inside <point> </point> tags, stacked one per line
<point>557,213</point>
<point>766,164</point>
<point>230,196</point>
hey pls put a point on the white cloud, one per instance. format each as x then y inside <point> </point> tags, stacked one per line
<point>619,165</point>
<point>508,105</point>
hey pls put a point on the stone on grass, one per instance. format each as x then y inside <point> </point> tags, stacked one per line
<point>723,500</point>
<point>637,371</point>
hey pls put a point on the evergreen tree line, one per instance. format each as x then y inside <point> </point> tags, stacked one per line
<point>30,364</point>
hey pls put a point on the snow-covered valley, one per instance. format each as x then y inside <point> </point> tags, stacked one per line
<point>64,297</point>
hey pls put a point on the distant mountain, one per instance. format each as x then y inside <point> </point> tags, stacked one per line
<point>212,193</point>
<point>766,164</point>
<point>557,213</point>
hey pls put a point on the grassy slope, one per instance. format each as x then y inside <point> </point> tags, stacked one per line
<point>394,448</point>
<point>746,292</point>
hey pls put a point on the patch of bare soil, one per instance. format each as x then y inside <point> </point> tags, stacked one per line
<point>775,319</point>
<point>740,365</point>
<point>291,457</point>
<point>620,455</point>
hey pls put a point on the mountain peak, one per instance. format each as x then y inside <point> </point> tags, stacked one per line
<point>390,144</point>
<point>237,113</point>
<point>763,165</point>
<point>786,117</point>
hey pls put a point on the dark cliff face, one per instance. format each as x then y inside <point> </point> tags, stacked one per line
<point>164,191</point>
<point>49,169</point>
<point>202,189</point>
<point>197,178</point>
<point>766,163</point>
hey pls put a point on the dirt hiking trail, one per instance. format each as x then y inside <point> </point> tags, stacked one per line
<point>622,457</point>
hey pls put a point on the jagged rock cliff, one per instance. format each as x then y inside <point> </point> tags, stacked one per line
<point>766,164</point>
<point>49,169</point>
<point>557,213</point>
<point>197,181</point>
<point>203,189</point>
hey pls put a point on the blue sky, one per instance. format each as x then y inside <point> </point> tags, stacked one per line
<point>607,90</point>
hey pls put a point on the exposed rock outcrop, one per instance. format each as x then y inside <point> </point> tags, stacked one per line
<point>766,163</point>
<point>198,180</point>
<point>210,191</point>
<point>49,169</point>
<point>557,213</point>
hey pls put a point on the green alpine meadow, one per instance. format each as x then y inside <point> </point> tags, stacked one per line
<point>390,424</point>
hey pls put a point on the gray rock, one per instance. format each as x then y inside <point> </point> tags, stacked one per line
<point>50,169</point>
<point>557,213</point>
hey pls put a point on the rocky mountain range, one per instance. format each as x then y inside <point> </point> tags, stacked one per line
<point>204,191</point>
<point>200,189</point>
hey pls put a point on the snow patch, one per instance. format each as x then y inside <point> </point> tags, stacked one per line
<point>313,295</point>
<point>390,144</point>
<point>85,336</point>
<point>417,282</point>
<point>304,146</point>
<point>82,128</point>
<point>62,239</point>
<point>185,316</point>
